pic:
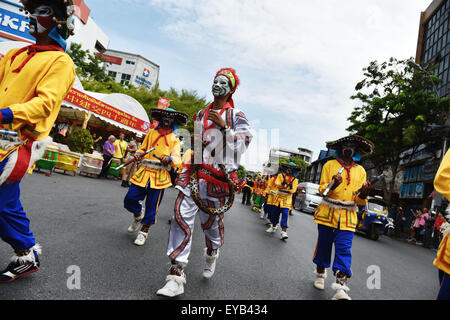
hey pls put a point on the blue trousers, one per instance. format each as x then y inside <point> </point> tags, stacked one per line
<point>275,216</point>
<point>444,291</point>
<point>14,224</point>
<point>342,241</point>
<point>153,198</point>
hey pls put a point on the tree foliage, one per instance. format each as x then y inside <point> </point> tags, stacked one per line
<point>80,141</point>
<point>88,66</point>
<point>398,110</point>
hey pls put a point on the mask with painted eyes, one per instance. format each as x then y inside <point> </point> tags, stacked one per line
<point>167,122</point>
<point>41,19</point>
<point>221,86</point>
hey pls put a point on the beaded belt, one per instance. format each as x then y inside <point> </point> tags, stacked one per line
<point>156,165</point>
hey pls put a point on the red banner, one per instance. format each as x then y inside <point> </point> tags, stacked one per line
<point>89,103</point>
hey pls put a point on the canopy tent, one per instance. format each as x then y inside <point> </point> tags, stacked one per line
<point>116,109</point>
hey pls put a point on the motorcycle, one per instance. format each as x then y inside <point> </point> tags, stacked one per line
<point>389,228</point>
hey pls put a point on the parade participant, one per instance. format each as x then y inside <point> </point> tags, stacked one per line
<point>270,199</point>
<point>442,261</point>
<point>247,190</point>
<point>207,186</point>
<point>258,191</point>
<point>286,185</point>
<point>130,169</point>
<point>34,81</point>
<point>152,177</point>
<point>344,187</point>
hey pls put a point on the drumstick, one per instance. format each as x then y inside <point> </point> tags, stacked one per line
<point>332,183</point>
<point>9,132</point>
<point>132,160</point>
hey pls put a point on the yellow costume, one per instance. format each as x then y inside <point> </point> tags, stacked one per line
<point>339,208</point>
<point>442,185</point>
<point>271,196</point>
<point>284,200</point>
<point>187,157</point>
<point>157,178</point>
<point>34,94</point>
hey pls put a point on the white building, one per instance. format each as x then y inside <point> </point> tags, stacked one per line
<point>128,68</point>
<point>14,26</point>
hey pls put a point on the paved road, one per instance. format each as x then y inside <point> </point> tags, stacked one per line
<point>81,221</point>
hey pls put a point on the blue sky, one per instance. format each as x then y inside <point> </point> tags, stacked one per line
<point>298,60</point>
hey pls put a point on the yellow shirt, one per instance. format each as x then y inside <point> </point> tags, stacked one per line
<point>34,95</point>
<point>271,198</point>
<point>187,157</point>
<point>334,217</point>
<point>284,200</point>
<point>157,178</point>
<point>121,148</point>
<point>442,185</point>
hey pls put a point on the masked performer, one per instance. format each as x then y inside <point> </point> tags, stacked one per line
<point>270,199</point>
<point>152,177</point>
<point>247,190</point>
<point>207,186</point>
<point>286,184</point>
<point>258,194</point>
<point>442,261</point>
<point>33,82</point>
<point>336,216</point>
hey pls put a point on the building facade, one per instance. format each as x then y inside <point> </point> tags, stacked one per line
<point>433,44</point>
<point>127,68</point>
<point>275,154</point>
<point>14,26</point>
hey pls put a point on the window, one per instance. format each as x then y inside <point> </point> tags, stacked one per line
<point>130,62</point>
<point>125,79</point>
<point>112,74</point>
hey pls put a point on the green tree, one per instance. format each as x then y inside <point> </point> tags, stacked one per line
<point>241,172</point>
<point>398,110</point>
<point>88,66</point>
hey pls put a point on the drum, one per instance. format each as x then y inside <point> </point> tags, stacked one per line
<point>91,164</point>
<point>115,162</point>
<point>49,159</point>
<point>68,161</point>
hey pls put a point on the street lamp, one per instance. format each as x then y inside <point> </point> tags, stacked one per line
<point>420,68</point>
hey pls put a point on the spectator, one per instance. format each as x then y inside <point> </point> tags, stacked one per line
<point>429,226</point>
<point>399,220</point>
<point>417,226</point>
<point>95,144</point>
<point>120,147</point>
<point>437,234</point>
<point>108,153</point>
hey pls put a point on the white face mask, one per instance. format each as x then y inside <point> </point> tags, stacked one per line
<point>221,86</point>
<point>41,19</point>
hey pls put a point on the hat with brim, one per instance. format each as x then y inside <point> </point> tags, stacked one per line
<point>364,145</point>
<point>179,117</point>
<point>290,165</point>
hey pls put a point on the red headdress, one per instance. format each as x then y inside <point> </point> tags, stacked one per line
<point>231,75</point>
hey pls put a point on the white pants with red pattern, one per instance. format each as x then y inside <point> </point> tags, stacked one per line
<point>182,228</point>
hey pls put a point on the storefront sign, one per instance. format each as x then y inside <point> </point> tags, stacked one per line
<point>14,26</point>
<point>110,59</point>
<point>143,82</point>
<point>89,103</point>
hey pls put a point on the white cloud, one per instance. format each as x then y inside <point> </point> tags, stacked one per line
<point>297,59</point>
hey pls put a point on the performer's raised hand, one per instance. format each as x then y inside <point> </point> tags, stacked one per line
<point>215,117</point>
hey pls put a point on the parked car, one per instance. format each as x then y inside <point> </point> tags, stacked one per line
<point>308,198</point>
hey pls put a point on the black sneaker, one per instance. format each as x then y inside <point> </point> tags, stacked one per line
<point>16,269</point>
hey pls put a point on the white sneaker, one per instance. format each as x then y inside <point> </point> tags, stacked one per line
<point>210,264</point>
<point>174,286</point>
<point>284,235</point>
<point>136,224</point>
<point>270,230</point>
<point>261,215</point>
<point>276,228</point>
<point>141,238</point>
<point>319,283</point>
<point>341,292</point>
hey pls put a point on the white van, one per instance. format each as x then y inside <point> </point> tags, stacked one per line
<point>308,197</point>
